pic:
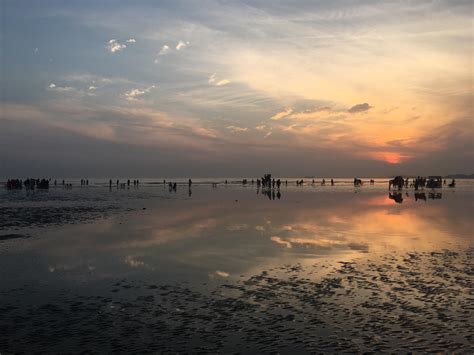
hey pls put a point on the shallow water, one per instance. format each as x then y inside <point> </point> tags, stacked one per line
<point>231,268</point>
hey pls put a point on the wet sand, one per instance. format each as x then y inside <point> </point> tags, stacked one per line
<point>232,271</point>
<point>411,302</point>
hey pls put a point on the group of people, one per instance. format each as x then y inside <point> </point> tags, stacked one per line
<point>15,184</point>
<point>419,182</point>
<point>122,184</point>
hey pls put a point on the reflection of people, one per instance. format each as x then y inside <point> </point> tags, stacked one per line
<point>420,196</point>
<point>435,195</point>
<point>396,196</point>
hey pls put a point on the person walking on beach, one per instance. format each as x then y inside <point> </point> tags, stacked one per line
<point>190,182</point>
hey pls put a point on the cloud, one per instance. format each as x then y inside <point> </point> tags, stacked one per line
<point>36,50</point>
<point>223,82</point>
<point>181,45</point>
<point>164,50</point>
<point>134,94</point>
<point>54,87</point>
<point>92,87</point>
<point>359,108</point>
<point>237,129</point>
<point>260,127</point>
<point>214,80</point>
<point>282,114</point>
<point>115,46</point>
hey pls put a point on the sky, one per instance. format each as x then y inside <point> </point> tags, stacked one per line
<point>236,88</point>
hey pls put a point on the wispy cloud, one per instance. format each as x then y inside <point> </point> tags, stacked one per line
<point>54,87</point>
<point>164,50</point>
<point>215,80</point>
<point>134,94</point>
<point>282,114</point>
<point>237,129</point>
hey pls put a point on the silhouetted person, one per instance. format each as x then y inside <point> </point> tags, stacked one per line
<point>87,182</point>
<point>190,182</point>
<point>332,182</point>
<point>323,182</point>
<point>117,182</point>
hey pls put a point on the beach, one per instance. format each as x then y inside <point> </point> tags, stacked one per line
<point>234,268</point>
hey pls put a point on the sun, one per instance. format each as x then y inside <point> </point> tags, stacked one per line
<point>390,157</point>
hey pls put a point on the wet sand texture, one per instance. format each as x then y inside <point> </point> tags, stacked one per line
<point>412,302</point>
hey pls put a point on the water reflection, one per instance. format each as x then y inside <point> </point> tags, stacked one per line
<point>397,197</point>
<point>236,232</point>
<point>270,193</point>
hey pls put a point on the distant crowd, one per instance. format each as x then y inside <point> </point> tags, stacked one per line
<point>265,182</point>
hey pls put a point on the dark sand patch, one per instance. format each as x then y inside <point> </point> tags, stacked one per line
<point>18,217</point>
<point>398,303</point>
<point>13,236</point>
